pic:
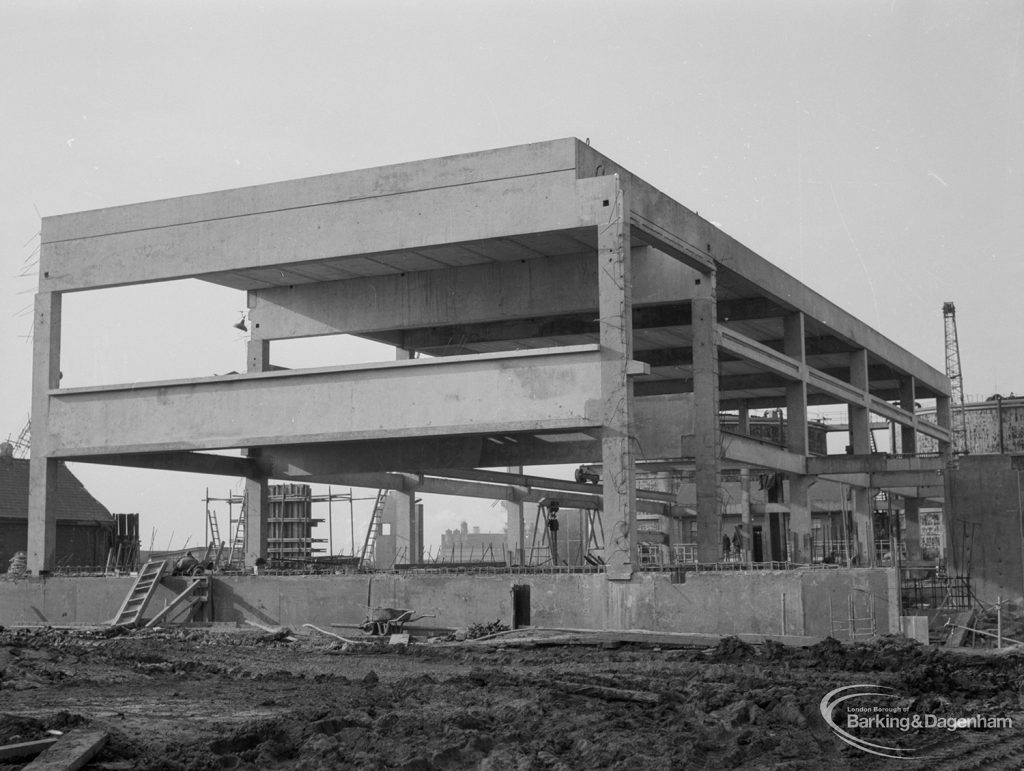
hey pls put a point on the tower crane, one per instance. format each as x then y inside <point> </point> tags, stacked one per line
<point>956,383</point>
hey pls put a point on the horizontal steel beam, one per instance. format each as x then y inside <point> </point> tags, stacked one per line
<point>423,483</point>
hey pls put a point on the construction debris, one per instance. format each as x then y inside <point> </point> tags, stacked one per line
<point>25,749</point>
<point>70,752</point>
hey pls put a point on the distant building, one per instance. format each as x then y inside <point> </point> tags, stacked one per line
<point>464,546</point>
<point>85,528</point>
<point>995,426</point>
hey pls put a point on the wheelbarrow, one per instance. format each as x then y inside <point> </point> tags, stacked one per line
<point>381,622</point>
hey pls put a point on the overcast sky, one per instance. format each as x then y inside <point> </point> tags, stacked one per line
<point>873,150</point>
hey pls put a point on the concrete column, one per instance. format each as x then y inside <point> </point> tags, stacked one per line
<point>515,535</point>
<point>912,531</point>
<point>797,442</point>
<point>404,528</point>
<point>745,519</point>
<point>859,417</point>
<point>616,324</point>
<point>705,418</point>
<point>743,424</point>
<point>800,518</point>
<point>908,446</point>
<point>864,521</point>
<point>908,436</point>
<point>860,439</point>
<point>944,417</point>
<point>257,508</point>
<point>42,517</point>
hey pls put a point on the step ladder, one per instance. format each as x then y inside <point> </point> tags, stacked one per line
<point>140,594</point>
<point>366,556</point>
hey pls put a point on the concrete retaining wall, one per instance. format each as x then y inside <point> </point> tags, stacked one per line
<point>793,602</point>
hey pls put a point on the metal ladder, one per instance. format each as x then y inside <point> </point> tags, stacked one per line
<point>140,594</point>
<point>370,542</point>
<point>211,518</point>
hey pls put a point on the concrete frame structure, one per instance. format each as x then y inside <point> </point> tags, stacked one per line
<point>571,313</point>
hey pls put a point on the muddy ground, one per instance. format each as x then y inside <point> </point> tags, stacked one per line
<point>241,698</point>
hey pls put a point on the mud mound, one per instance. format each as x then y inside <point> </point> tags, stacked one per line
<point>732,649</point>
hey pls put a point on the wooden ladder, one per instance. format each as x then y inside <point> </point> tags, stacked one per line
<point>140,594</point>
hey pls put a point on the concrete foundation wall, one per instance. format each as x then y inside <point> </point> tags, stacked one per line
<point>984,521</point>
<point>790,602</point>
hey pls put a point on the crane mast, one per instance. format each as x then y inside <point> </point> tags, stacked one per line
<point>956,383</point>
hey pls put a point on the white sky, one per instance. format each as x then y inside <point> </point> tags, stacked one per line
<point>872,149</point>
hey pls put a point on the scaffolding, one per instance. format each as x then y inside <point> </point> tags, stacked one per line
<point>290,522</point>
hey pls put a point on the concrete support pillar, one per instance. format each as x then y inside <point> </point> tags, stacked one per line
<point>515,528</point>
<point>797,441</point>
<point>801,534</point>
<point>743,424</point>
<point>745,518</point>
<point>42,517</point>
<point>860,441</point>
<point>404,528</point>
<point>912,528</point>
<point>257,510</point>
<point>796,392</point>
<point>908,436</point>
<point>859,417</point>
<point>864,522</point>
<point>616,324</point>
<point>257,503</point>
<point>944,417</point>
<point>908,446</point>
<point>705,419</point>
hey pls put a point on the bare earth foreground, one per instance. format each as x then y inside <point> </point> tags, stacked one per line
<point>241,698</point>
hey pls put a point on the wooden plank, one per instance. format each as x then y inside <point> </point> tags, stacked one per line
<point>176,602</point>
<point>25,749</point>
<point>70,752</point>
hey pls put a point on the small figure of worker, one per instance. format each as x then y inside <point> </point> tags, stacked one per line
<point>737,542</point>
<point>726,546</point>
<point>553,530</point>
<point>186,565</point>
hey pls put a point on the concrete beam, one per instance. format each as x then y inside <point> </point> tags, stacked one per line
<point>306,235</point>
<point>465,168</point>
<point>749,451</point>
<point>192,462</point>
<point>547,389</point>
<point>515,292</point>
<point>871,463</point>
<point>736,262</point>
<point>757,353</point>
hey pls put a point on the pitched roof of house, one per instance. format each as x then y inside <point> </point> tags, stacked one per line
<point>73,503</point>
